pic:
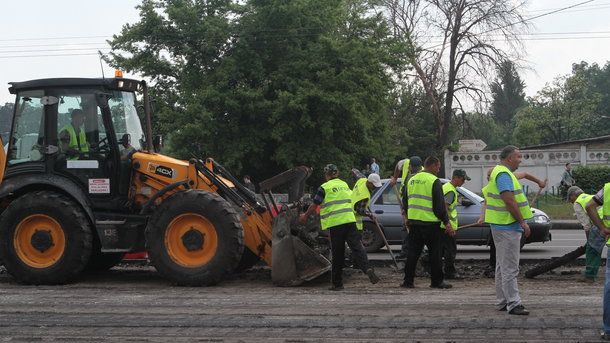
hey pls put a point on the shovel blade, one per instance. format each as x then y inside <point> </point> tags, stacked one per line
<point>293,261</point>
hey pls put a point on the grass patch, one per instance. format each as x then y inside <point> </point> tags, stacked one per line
<point>554,206</point>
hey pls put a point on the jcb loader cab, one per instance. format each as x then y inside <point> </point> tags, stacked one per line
<point>81,185</point>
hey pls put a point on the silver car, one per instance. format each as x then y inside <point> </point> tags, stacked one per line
<point>384,204</point>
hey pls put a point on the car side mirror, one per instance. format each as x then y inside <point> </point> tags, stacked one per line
<point>466,202</point>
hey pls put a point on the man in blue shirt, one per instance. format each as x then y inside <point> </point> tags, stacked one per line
<point>374,167</point>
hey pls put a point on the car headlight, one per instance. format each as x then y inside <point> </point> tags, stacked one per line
<point>541,219</point>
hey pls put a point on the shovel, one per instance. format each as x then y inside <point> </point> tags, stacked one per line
<point>385,241</point>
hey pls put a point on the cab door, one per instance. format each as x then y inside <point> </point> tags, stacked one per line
<point>94,170</point>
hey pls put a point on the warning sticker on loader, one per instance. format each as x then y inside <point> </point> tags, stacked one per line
<point>161,170</point>
<point>99,186</point>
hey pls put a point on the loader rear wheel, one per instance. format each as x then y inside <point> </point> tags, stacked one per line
<point>45,238</point>
<point>195,238</point>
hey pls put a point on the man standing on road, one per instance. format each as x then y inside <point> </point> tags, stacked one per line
<point>595,240</point>
<point>405,169</point>
<point>602,198</point>
<point>337,215</point>
<point>426,211</point>
<point>449,246</point>
<point>506,212</point>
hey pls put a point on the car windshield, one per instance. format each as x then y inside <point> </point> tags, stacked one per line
<point>470,194</point>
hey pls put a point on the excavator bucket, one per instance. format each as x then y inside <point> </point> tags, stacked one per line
<point>294,262</point>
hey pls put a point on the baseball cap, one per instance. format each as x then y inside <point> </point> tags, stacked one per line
<point>461,173</point>
<point>375,180</point>
<point>573,190</point>
<point>331,169</point>
<point>415,161</point>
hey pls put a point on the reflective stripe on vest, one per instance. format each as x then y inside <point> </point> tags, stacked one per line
<point>496,212</point>
<point>74,143</point>
<point>419,190</point>
<point>452,208</point>
<point>336,209</point>
<point>360,192</point>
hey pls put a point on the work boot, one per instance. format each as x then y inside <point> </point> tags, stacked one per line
<point>372,276</point>
<point>442,285</point>
<point>519,310</point>
<point>503,308</point>
<point>336,288</point>
<point>407,285</point>
<point>604,336</point>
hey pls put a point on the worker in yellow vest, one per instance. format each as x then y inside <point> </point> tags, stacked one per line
<point>507,211</point>
<point>602,198</point>
<point>72,136</point>
<point>337,215</point>
<point>595,240</point>
<point>361,195</point>
<point>426,211</point>
<point>449,246</point>
<point>403,171</point>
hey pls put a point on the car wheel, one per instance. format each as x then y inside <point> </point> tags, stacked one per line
<point>371,239</point>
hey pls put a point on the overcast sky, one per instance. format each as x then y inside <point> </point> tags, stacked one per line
<point>37,27</point>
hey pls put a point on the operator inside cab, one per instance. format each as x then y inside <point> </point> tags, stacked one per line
<point>73,140</point>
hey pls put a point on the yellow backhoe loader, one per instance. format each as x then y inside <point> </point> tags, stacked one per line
<point>81,184</point>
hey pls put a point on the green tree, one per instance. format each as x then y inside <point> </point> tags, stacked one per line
<point>507,97</point>
<point>267,84</point>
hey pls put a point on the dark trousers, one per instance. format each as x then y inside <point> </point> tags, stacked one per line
<point>449,250</point>
<point>339,235</point>
<point>430,236</point>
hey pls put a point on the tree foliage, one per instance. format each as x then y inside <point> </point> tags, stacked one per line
<point>454,50</point>
<point>266,84</point>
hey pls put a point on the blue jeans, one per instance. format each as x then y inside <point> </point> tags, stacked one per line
<point>607,297</point>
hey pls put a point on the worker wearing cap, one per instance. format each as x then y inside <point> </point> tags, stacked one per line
<point>426,211</point>
<point>602,198</point>
<point>595,240</point>
<point>449,246</point>
<point>361,195</point>
<point>337,215</point>
<point>404,170</point>
<point>72,136</point>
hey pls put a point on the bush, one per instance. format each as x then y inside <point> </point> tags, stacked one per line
<point>591,179</point>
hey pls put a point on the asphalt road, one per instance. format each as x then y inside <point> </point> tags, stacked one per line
<point>563,241</point>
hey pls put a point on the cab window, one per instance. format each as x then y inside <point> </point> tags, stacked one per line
<point>28,138</point>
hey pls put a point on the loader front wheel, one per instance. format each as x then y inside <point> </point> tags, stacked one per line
<point>195,238</point>
<point>45,239</point>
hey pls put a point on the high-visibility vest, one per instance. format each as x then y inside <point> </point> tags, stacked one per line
<point>605,215</point>
<point>419,192</point>
<point>496,212</point>
<point>405,173</point>
<point>583,199</point>
<point>452,208</point>
<point>74,143</point>
<point>360,192</point>
<point>336,209</point>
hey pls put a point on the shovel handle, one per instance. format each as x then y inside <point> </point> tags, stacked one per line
<point>385,241</point>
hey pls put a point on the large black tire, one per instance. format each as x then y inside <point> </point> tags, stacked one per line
<point>371,239</point>
<point>195,238</point>
<point>45,238</point>
<point>100,261</point>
